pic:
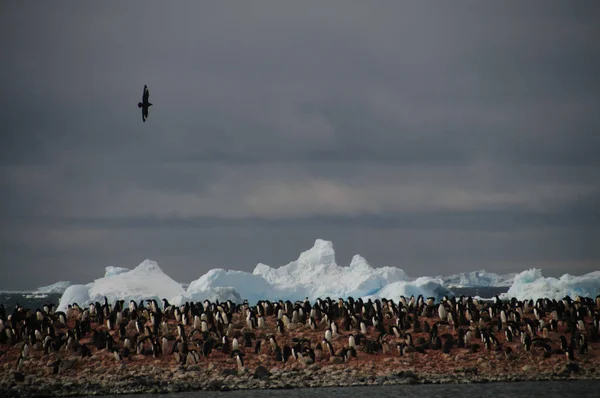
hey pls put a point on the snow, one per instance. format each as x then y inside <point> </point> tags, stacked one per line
<point>480,278</point>
<point>530,284</point>
<point>313,274</point>
<point>58,287</point>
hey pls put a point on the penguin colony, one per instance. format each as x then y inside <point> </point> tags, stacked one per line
<point>336,331</point>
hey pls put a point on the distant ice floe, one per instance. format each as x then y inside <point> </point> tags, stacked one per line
<point>314,274</point>
<point>480,278</point>
<point>58,287</point>
<point>531,284</point>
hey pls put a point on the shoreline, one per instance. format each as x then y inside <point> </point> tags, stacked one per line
<point>94,376</point>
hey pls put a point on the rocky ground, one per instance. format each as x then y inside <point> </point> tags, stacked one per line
<point>102,374</point>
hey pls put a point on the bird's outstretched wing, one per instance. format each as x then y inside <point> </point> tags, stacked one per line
<point>146,95</point>
<point>144,113</point>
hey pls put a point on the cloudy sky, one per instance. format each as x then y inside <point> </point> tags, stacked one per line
<point>438,137</point>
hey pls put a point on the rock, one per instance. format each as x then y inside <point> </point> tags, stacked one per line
<point>228,372</point>
<point>19,377</point>
<point>407,374</point>
<point>66,364</point>
<point>261,372</point>
<point>193,368</point>
<point>571,367</point>
<point>527,368</point>
<point>336,360</point>
<point>214,384</point>
<point>308,360</point>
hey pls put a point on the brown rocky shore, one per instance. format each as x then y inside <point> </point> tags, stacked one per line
<point>66,372</point>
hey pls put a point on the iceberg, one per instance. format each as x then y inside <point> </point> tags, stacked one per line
<point>530,284</point>
<point>425,286</point>
<point>146,281</point>
<point>480,278</point>
<point>55,288</point>
<point>248,286</point>
<point>316,274</point>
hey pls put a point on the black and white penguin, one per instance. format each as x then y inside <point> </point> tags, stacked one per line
<point>351,341</point>
<point>239,358</point>
<point>280,326</point>
<point>563,343</point>
<point>569,353</point>
<point>527,342</point>
<point>286,353</point>
<point>328,334</point>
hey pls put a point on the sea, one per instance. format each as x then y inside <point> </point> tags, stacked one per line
<point>535,389</point>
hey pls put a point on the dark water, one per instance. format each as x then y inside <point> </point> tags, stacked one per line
<point>537,389</point>
<point>33,301</point>
<point>27,300</point>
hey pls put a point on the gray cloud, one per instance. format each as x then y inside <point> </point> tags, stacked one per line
<point>450,136</point>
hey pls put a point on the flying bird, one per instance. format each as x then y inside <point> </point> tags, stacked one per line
<point>145,104</point>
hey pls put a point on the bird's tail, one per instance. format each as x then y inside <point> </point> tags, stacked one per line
<point>140,104</point>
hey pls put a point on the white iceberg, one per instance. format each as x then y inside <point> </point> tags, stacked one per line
<point>146,281</point>
<point>315,274</point>
<point>480,278</point>
<point>425,286</point>
<point>79,294</point>
<point>248,286</point>
<point>55,288</point>
<point>531,284</point>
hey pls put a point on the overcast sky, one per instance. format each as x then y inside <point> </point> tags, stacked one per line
<point>438,137</point>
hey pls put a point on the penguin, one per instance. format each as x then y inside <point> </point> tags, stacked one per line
<point>239,358</point>
<point>569,354</point>
<point>20,361</point>
<point>351,341</point>
<point>286,353</point>
<point>563,343</point>
<point>318,352</point>
<point>328,335</point>
<point>25,350</point>
<point>363,328</point>
<point>280,326</point>
<point>258,346</point>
